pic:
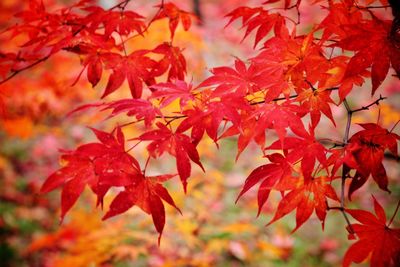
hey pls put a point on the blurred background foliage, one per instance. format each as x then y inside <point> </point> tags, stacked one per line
<point>213,230</point>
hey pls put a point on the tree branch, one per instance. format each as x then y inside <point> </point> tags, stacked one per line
<point>376,102</point>
<point>372,7</point>
<point>15,72</point>
<point>290,97</point>
<point>172,118</point>
<point>344,171</point>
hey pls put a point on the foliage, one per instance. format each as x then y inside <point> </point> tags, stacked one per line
<point>295,80</point>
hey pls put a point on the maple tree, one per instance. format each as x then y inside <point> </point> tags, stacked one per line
<point>293,79</point>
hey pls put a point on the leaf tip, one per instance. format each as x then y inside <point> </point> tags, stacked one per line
<point>184,184</point>
<point>106,216</point>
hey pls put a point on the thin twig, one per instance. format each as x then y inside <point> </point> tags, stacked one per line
<point>376,102</point>
<point>175,118</point>
<point>348,123</point>
<point>372,7</point>
<point>289,97</point>
<point>135,145</point>
<point>15,72</point>
<point>344,173</point>
<point>145,165</point>
<point>120,5</point>
<point>157,117</point>
<point>394,126</point>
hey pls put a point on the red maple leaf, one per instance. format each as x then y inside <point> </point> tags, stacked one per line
<point>123,23</point>
<point>148,194</point>
<point>274,116</point>
<point>307,196</point>
<point>307,149</point>
<point>174,14</point>
<point>140,108</point>
<point>293,60</point>
<point>253,18</point>
<point>280,117</point>
<point>94,68</point>
<point>372,143</point>
<point>98,165</point>
<point>169,92</point>
<point>374,237</point>
<point>200,122</point>
<point>209,114</point>
<point>340,14</point>
<point>317,102</point>
<point>269,175</point>
<point>176,144</point>
<point>248,130</point>
<point>342,157</point>
<point>173,60</point>
<point>135,68</point>
<point>240,81</point>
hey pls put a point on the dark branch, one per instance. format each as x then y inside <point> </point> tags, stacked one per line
<point>344,168</point>
<point>15,72</point>
<point>376,102</point>
<point>289,97</point>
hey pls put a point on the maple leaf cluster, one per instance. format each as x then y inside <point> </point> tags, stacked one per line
<point>284,90</point>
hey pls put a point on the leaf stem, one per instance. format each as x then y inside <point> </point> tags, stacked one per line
<point>157,117</point>
<point>127,151</point>
<point>348,123</point>
<point>394,126</point>
<point>394,214</point>
<point>310,84</point>
<point>145,165</point>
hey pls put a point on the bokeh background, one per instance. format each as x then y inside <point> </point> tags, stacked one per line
<point>213,230</point>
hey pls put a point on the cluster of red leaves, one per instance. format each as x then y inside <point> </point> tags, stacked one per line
<point>291,80</point>
<point>91,32</point>
<point>97,36</point>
